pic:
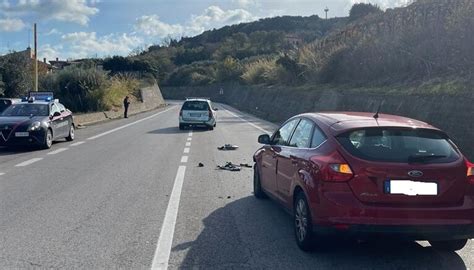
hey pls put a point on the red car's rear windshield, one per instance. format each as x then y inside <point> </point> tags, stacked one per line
<point>399,145</point>
<point>195,106</point>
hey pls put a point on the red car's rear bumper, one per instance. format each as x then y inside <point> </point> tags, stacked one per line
<point>400,232</point>
<point>341,212</point>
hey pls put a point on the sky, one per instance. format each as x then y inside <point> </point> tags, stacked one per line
<point>72,29</point>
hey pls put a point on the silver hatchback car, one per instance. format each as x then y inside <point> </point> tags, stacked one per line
<point>197,112</point>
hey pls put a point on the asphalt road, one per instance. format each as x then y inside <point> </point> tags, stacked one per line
<point>129,194</point>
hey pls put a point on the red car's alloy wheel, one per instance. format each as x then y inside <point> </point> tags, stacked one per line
<point>301,220</point>
<point>303,223</point>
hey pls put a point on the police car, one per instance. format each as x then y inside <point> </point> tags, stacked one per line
<point>37,120</point>
<point>197,112</point>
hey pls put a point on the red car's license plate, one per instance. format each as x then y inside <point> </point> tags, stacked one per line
<point>411,188</point>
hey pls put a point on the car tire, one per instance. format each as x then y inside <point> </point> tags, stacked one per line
<point>211,128</point>
<point>48,140</point>
<point>450,245</point>
<point>303,223</point>
<point>71,134</point>
<point>181,127</point>
<point>257,185</point>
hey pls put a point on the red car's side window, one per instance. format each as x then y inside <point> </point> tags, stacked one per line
<point>282,136</point>
<point>302,136</point>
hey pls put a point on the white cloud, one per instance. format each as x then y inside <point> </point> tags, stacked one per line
<point>76,11</point>
<point>87,44</point>
<point>384,3</point>
<point>151,25</point>
<point>50,52</point>
<point>212,17</point>
<point>11,25</point>
<point>246,3</point>
<point>53,31</point>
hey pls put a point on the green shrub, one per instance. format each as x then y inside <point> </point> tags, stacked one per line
<point>229,70</point>
<point>119,87</point>
<point>260,71</point>
<point>201,73</point>
<point>81,90</point>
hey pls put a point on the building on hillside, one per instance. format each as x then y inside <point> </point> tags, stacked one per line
<point>61,64</point>
<point>293,40</point>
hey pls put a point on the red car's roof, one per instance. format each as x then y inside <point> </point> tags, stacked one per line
<point>342,121</point>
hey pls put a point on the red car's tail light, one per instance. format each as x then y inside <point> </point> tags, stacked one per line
<point>339,172</point>
<point>333,167</point>
<point>470,172</point>
<point>341,168</point>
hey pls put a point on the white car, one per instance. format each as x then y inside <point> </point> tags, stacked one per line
<point>197,112</point>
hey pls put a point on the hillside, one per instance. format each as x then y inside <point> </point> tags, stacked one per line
<point>426,40</point>
<point>220,55</point>
<point>306,28</point>
<point>430,40</point>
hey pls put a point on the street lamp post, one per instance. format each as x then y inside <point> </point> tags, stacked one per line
<point>36,58</point>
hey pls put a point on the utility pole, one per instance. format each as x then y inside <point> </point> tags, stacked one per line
<point>36,58</point>
<point>326,10</point>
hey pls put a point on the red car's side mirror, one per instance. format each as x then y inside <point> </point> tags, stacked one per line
<point>264,139</point>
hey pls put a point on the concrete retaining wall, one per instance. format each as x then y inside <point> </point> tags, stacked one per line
<point>151,98</point>
<point>452,113</point>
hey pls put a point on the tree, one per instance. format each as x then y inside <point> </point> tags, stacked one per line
<point>117,64</point>
<point>17,74</point>
<point>361,10</point>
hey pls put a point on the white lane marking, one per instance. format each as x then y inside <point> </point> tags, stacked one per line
<point>28,162</point>
<point>1,173</point>
<point>128,125</point>
<point>163,248</point>
<point>57,151</point>
<point>184,159</point>
<point>190,139</point>
<point>186,150</point>
<point>77,144</point>
<point>252,124</point>
<point>188,144</point>
<point>190,133</point>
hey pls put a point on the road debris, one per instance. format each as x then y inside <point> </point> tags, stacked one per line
<point>229,166</point>
<point>200,164</point>
<point>227,147</point>
<point>246,165</point>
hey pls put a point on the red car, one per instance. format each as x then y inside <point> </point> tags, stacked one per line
<point>364,175</point>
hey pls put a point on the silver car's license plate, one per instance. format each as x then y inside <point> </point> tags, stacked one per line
<point>22,134</point>
<point>195,114</point>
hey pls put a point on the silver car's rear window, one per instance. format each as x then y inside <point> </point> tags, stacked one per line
<point>195,106</point>
<point>399,145</point>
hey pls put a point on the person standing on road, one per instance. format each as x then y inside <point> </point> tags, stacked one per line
<point>126,103</point>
